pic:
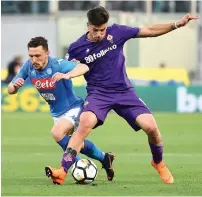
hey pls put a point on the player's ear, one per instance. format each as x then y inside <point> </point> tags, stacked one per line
<point>88,26</point>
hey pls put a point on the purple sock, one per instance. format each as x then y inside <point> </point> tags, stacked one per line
<point>68,159</point>
<point>157,152</point>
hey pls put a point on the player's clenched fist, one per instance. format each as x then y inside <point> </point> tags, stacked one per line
<point>58,76</point>
<point>19,83</point>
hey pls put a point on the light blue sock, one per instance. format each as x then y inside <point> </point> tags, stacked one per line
<point>92,151</point>
<point>63,143</point>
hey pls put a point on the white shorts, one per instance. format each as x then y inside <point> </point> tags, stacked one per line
<point>71,115</point>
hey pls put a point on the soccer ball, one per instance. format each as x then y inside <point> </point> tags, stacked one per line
<point>84,171</point>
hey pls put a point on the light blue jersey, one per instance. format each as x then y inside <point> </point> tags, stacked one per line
<point>60,96</point>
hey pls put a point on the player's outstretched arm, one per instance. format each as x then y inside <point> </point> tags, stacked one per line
<point>79,70</point>
<point>160,29</point>
<point>13,87</point>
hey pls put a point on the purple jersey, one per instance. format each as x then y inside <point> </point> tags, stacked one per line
<point>60,96</point>
<point>105,59</point>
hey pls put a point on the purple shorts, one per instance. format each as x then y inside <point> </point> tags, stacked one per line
<point>126,104</point>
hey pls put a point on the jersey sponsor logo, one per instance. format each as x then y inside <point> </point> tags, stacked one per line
<point>48,96</point>
<point>43,84</point>
<point>94,56</point>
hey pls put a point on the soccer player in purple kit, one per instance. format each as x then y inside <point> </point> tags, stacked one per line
<point>51,78</point>
<point>109,88</point>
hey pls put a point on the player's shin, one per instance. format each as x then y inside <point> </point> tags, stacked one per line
<point>74,146</point>
<point>157,152</point>
<point>69,157</point>
<point>92,151</point>
<point>64,142</point>
<point>156,146</point>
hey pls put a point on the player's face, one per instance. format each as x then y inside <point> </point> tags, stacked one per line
<point>97,33</point>
<point>39,57</point>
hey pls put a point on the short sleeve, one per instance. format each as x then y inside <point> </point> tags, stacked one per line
<point>69,56</point>
<point>71,53</point>
<point>128,32</point>
<point>23,73</point>
<point>74,52</point>
<point>66,65</point>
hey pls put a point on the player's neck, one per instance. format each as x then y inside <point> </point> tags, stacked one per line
<point>90,38</point>
<point>46,63</point>
<point>44,66</point>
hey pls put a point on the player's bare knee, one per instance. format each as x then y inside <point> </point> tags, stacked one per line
<point>88,120</point>
<point>152,130</point>
<point>57,135</point>
<point>154,135</point>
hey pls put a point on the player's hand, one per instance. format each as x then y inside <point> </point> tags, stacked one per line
<point>74,60</point>
<point>185,20</point>
<point>19,83</point>
<point>58,76</point>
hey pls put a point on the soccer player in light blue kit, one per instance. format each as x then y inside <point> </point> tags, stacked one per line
<point>51,78</point>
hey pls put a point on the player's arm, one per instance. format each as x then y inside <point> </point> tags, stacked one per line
<point>80,69</point>
<point>18,80</point>
<point>13,87</point>
<point>70,70</point>
<point>160,29</point>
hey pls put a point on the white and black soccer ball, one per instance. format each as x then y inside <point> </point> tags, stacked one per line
<point>84,171</point>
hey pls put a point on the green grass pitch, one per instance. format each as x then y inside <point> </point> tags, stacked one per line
<point>27,147</point>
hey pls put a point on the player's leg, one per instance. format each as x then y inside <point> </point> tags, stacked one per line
<point>69,157</point>
<point>64,126</point>
<point>149,125</point>
<point>60,131</point>
<point>137,114</point>
<point>140,117</point>
<point>88,120</point>
<point>93,115</point>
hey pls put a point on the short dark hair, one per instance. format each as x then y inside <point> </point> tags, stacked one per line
<point>97,16</point>
<point>38,41</point>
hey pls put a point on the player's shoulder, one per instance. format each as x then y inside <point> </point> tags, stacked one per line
<point>114,26</point>
<point>78,43</point>
<point>55,61</point>
<point>119,27</point>
<point>115,29</point>
<point>58,62</point>
<point>27,65</point>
